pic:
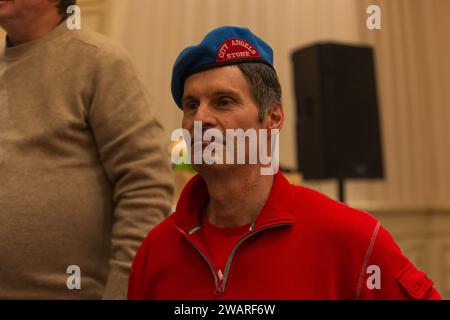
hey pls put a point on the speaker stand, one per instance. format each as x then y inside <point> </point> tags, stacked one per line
<point>341,189</point>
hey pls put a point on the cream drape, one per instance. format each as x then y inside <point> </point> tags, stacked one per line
<point>413,61</point>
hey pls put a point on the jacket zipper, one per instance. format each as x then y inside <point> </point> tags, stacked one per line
<point>233,252</point>
<point>220,286</point>
<point>216,280</point>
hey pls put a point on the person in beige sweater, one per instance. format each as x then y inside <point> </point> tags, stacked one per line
<point>84,170</point>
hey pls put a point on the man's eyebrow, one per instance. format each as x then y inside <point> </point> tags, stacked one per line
<point>188,98</point>
<point>215,94</point>
<point>232,93</point>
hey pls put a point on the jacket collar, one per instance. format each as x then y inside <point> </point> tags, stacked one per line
<point>277,209</point>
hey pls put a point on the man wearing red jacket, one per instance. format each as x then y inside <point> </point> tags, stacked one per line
<point>240,234</point>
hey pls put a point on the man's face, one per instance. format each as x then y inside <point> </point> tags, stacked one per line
<point>24,9</point>
<point>221,99</point>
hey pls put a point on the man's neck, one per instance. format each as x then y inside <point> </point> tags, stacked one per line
<point>20,32</point>
<point>237,197</point>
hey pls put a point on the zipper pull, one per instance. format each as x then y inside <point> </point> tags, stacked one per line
<point>218,290</point>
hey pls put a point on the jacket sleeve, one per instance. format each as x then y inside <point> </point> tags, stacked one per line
<point>388,274</point>
<point>136,282</point>
<point>132,149</point>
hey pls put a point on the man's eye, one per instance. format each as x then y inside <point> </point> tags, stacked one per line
<point>223,102</point>
<point>190,105</point>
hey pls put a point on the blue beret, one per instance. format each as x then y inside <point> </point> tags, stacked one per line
<point>222,46</point>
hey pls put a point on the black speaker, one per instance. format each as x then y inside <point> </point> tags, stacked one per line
<point>338,132</point>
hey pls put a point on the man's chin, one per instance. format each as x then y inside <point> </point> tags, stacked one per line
<point>207,168</point>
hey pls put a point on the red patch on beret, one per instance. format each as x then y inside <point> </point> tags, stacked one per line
<point>236,49</point>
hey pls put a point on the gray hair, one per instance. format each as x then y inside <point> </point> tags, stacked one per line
<point>264,85</point>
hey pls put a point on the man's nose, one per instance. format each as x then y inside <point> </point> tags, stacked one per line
<point>205,115</point>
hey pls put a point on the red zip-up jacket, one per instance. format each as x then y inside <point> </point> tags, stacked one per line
<point>303,245</point>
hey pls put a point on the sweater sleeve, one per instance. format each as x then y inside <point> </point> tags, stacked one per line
<point>387,274</point>
<point>132,149</point>
<point>136,285</point>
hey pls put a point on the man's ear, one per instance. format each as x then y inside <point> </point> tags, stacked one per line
<point>275,117</point>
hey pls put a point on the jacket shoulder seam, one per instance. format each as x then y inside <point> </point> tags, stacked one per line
<point>366,259</point>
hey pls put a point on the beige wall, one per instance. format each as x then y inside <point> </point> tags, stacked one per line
<point>414,69</point>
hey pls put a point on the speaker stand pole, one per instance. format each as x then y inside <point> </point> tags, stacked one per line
<point>341,189</point>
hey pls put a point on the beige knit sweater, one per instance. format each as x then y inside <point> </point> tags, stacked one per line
<point>84,172</point>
